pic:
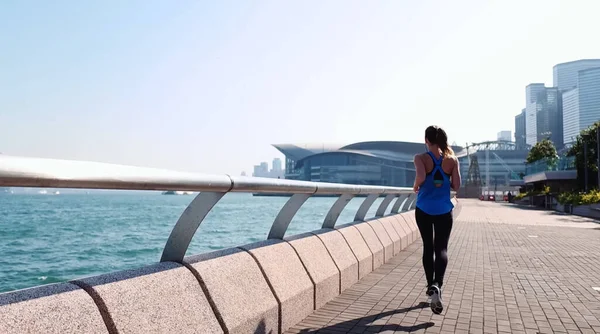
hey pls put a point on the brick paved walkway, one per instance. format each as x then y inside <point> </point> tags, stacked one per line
<point>511,270</point>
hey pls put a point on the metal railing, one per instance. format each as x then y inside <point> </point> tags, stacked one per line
<point>545,165</point>
<point>52,173</point>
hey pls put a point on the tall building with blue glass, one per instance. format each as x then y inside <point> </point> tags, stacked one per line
<point>543,114</point>
<point>581,105</point>
<point>566,75</point>
<point>520,133</point>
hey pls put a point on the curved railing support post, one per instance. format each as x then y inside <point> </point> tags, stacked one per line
<point>364,207</point>
<point>410,206</point>
<point>409,201</point>
<point>286,214</point>
<point>400,203</point>
<point>188,223</point>
<point>384,204</point>
<point>336,210</point>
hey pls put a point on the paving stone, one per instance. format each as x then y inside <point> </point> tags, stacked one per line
<point>511,270</point>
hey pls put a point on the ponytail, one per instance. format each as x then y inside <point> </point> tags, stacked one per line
<point>442,141</point>
<point>448,151</point>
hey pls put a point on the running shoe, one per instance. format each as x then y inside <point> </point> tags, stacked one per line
<point>436,304</point>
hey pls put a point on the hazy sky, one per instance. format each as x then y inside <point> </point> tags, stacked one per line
<point>207,86</point>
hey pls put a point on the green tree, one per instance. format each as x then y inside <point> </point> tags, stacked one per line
<point>587,137</point>
<point>542,150</point>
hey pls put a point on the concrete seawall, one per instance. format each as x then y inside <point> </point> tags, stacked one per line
<point>264,287</point>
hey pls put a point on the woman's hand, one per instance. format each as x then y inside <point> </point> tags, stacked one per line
<point>420,173</point>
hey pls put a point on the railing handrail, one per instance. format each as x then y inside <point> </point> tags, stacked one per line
<point>18,171</point>
<point>52,173</point>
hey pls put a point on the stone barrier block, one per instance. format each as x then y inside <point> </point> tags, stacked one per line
<point>414,226</point>
<point>403,230</point>
<point>410,225</point>
<point>55,308</point>
<point>409,217</point>
<point>342,256</point>
<point>389,223</point>
<point>239,290</point>
<point>320,266</point>
<point>373,242</point>
<point>164,297</point>
<point>288,277</point>
<point>588,211</point>
<point>384,238</point>
<point>359,248</point>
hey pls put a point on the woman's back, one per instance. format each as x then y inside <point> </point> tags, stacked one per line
<point>434,193</point>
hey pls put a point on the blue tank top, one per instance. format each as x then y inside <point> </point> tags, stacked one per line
<point>433,197</point>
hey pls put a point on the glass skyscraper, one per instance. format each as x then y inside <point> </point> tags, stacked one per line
<point>550,118</point>
<point>532,93</point>
<point>581,106</point>
<point>565,75</point>
<point>520,130</point>
<point>543,115</point>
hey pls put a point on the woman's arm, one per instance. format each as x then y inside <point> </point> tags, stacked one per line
<point>456,176</point>
<point>420,171</point>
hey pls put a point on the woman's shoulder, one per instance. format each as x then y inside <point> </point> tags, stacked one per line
<point>420,156</point>
<point>451,157</point>
<point>450,160</point>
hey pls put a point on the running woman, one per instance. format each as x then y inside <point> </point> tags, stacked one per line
<point>437,174</point>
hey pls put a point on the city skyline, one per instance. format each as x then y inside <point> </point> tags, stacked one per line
<point>208,87</point>
<point>560,112</point>
<point>262,170</point>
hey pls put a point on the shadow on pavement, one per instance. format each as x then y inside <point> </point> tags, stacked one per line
<point>365,323</point>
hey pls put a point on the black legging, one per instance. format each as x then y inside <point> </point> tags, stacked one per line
<point>442,225</point>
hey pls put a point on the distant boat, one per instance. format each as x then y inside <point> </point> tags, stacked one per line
<point>171,192</point>
<point>45,192</point>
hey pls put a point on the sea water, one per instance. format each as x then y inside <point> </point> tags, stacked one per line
<point>54,238</point>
